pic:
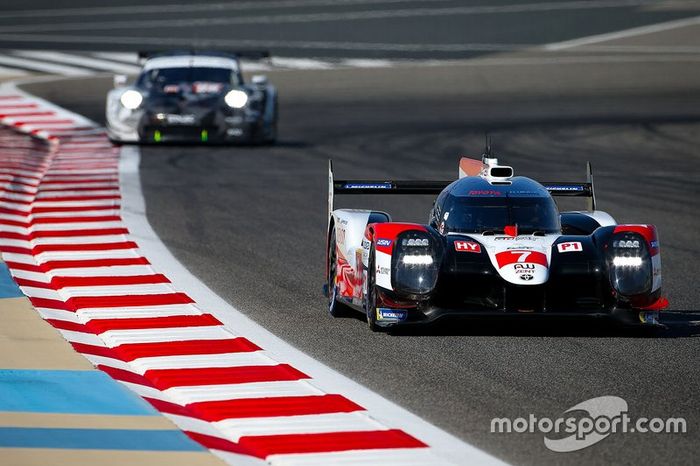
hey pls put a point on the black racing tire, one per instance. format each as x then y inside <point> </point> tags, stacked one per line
<point>335,308</point>
<point>271,138</point>
<point>371,298</point>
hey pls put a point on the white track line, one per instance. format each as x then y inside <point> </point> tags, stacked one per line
<point>70,59</point>
<point>44,67</point>
<point>633,32</point>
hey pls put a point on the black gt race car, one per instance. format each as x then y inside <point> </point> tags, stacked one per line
<point>192,97</point>
<point>495,244</point>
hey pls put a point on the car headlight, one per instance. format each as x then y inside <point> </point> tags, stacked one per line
<point>131,99</point>
<point>417,262</point>
<point>629,264</point>
<point>236,99</point>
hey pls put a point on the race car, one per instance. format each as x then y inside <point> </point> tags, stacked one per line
<point>495,245</point>
<point>192,97</point>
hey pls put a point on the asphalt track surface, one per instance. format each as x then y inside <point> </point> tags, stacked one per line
<point>326,28</point>
<point>250,222</point>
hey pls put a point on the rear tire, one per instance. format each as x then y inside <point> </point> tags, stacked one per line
<point>335,308</point>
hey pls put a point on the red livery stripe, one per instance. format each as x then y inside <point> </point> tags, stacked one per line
<point>168,378</point>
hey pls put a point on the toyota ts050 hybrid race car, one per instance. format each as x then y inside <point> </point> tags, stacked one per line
<point>192,97</point>
<point>494,244</point>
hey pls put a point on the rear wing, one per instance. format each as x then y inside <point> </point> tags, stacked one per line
<point>435,187</point>
<point>379,187</point>
<point>575,189</point>
<point>247,54</point>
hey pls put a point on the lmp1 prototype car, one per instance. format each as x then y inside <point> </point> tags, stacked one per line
<point>495,244</point>
<point>192,97</point>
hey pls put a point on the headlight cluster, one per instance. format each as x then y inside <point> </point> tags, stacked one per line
<point>236,98</point>
<point>629,264</point>
<point>417,262</point>
<point>131,99</point>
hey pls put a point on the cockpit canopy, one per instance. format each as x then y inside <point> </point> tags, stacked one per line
<point>476,206</point>
<point>159,79</point>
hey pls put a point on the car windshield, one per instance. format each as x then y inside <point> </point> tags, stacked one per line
<point>493,214</point>
<point>159,78</point>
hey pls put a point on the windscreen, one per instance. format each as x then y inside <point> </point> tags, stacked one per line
<point>157,79</point>
<point>493,214</point>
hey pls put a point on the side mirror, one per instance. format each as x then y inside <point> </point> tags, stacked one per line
<point>119,80</point>
<point>259,80</point>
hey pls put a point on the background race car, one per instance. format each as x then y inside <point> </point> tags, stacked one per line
<point>495,244</point>
<point>192,97</point>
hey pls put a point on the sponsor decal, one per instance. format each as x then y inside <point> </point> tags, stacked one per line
<point>654,244</point>
<point>631,244</point>
<point>467,246</point>
<point>526,277</point>
<point>415,242</point>
<point>206,88</point>
<point>519,238</point>
<point>524,268</point>
<point>367,186</point>
<point>520,257</point>
<point>395,315</point>
<point>175,119</point>
<point>366,244</point>
<point>571,246</point>
<point>485,192</point>
<point>384,242</point>
<point>555,187</point>
<point>383,270</point>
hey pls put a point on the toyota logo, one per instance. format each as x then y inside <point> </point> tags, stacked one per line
<point>526,276</point>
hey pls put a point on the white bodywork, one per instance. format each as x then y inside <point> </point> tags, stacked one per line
<point>521,254</point>
<point>121,122</point>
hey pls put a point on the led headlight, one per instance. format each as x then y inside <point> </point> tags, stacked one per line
<point>629,264</point>
<point>417,261</point>
<point>131,99</point>
<point>236,99</point>
<point>622,261</point>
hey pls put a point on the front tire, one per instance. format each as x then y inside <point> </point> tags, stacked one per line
<point>371,298</point>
